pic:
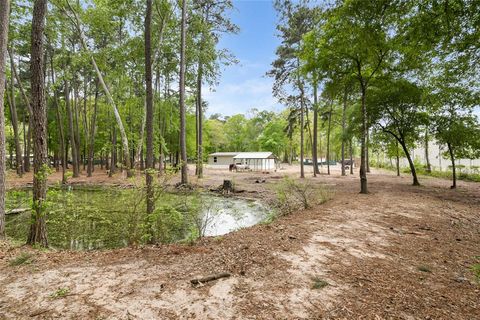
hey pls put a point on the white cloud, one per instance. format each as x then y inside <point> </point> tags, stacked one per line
<point>242,87</point>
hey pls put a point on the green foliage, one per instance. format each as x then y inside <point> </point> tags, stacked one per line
<point>293,195</point>
<point>60,293</point>
<point>319,283</point>
<point>476,270</point>
<point>23,258</point>
<point>424,269</point>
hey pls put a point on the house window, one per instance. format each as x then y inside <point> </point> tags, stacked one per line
<point>214,159</point>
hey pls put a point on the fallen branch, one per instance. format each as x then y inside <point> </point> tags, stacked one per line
<point>210,278</point>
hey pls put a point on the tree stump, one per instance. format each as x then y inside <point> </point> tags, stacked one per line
<point>227,186</point>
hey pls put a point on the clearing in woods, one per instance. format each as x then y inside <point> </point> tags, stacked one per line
<point>400,252</point>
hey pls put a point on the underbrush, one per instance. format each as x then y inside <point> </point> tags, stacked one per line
<point>293,195</point>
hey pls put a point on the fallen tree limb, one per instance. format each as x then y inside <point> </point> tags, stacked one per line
<point>210,278</point>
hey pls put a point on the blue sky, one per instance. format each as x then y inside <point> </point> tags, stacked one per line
<point>244,86</point>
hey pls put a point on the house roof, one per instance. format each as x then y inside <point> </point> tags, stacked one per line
<point>254,155</point>
<point>223,154</point>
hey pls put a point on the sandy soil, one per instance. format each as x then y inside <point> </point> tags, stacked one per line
<point>400,252</point>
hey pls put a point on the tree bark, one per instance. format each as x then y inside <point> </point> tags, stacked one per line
<point>344,123</point>
<point>397,156</point>
<point>71,130</point>
<point>149,107</point>
<point>4,21</point>
<point>315,131</point>
<point>363,159</point>
<point>302,131</point>
<point>183,138</point>
<point>38,229</point>
<point>454,173</point>
<point>351,155</point>
<point>329,129</point>
<point>28,136</point>
<point>16,134</point>
<point>91,144</point>
<point>59,123</point>
<point>427,158</point>
<point>199,121</point>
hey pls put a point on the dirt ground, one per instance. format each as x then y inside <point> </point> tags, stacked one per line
<point>400,252</point>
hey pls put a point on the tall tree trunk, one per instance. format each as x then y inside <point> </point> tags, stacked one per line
<point>329,130</point>
<point>38,229</point>
<point>71,130</point>
<point>183,138</point>
<point>113,159</point>
<point>315,131</point>
<point>199,121</point>
<point>344,123</point>
<point>367,152</point>
<point>397,159</point>
<point>14,116</point>
<point>452,159</point>
<point>351,155</point>
<point>363,158</point>
<point>28,136</point>
<point>76,127</point>
<point>59,123</point>
<point>302,131</point>
<point>16,134</point>
<point>110,100</point>
<point>149,107</point>
<point>427,158</point>
<point>4,21</point>
<point>93,124</point>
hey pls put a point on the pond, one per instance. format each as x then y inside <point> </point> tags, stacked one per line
<point>87,219</point>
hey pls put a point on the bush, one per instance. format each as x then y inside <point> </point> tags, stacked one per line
<point>293,195</point>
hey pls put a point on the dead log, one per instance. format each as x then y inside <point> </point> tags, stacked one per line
<point>210,278</point>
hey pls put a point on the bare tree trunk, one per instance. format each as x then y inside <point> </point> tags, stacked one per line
<point>351,155</point>
<point>16,134</point>
<point>302,125</point>
<point>59,123</point>
<point>344,122</point>
<point>199,121</point>
<point>329,129</point>
<point>28,137</point>
<point>183,138</point>
<point>4,21</point>
<point>113,159</point>
<point>427,158</point>
<point>363,157</point>
<point>38,229</point>
<point>367,152</point>
<point>149,108</point>
<point>71,130</point>
<point>91,145</point>
<point>454,173</point>
<point>315,131</point>
<point>397,156</point>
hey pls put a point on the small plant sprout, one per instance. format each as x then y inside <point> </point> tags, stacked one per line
<point>319,283</point>
<point>60,293</point>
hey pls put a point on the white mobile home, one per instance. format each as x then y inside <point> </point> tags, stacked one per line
<point>221,159</point>
<point>257,161</point>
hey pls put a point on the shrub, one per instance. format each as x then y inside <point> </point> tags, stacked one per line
<point>293,195</point>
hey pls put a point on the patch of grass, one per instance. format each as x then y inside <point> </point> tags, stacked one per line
<point>424,269</point>
<point>476,271</point>
<point>23,258</point>
<point>60,293</point>
<point>319,283</point>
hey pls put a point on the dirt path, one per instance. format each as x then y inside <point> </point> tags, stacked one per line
<point>401,252</point>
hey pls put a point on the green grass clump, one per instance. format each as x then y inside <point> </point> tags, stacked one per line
<point>424,269</point>
<point>60,293</point>
<point>23,258</point>
<point>319,283</point>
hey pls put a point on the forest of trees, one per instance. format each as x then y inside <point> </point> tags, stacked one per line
<point>117,85</point>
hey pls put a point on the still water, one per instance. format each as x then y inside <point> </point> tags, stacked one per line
<point>111,218</point>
